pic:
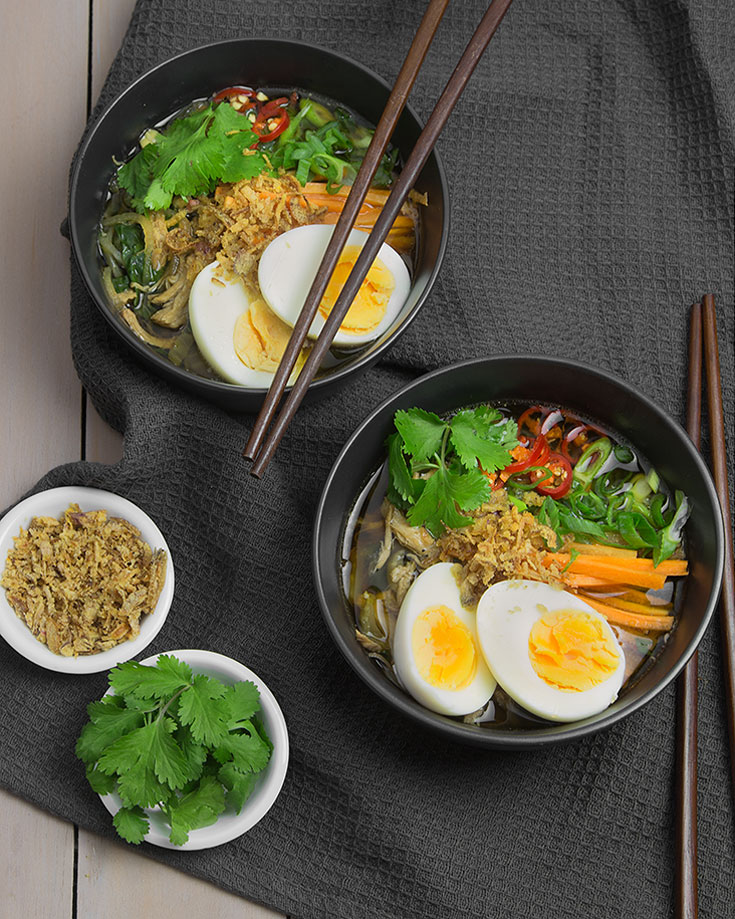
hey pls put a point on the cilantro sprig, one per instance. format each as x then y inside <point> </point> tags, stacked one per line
<point>209,145</point>
<point>168,738</point>
<point>436,466</point>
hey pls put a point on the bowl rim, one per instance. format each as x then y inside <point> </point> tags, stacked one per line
<point>217,387</point>
<point>524,738</point>
<point>53,502</point>
<point>273,776</point>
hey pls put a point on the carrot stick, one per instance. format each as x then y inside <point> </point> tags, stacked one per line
<point>374,196</point>
<point>584,548</point>
<point>671,568</point>
<point>586,580</point>
<point>642,596</point>
<point>630,620</point>
<point>632,607</point>
<point>620,575</point>
<point>601,565</point>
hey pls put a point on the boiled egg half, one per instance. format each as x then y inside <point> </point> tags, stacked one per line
<point>289,265</point>
<point>550,651</point>
<point>238,335</point>
<point>435,649</point>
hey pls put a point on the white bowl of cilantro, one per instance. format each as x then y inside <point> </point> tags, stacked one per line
<point>187,750</point>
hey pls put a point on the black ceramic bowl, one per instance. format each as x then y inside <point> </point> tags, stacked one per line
<point>268,64</point>
<point>591,393</point>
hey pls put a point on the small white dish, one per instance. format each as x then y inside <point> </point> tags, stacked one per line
<point>229,825</point>
<point>53,503</point>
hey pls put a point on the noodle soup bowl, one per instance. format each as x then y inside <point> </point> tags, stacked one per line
<point>592,395</point>
<point>276,66</point>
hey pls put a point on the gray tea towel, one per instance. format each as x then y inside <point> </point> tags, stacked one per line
<point>590,164</point>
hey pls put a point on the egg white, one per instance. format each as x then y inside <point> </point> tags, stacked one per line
<point>289,265</point>
<point>437,586</point>
<point>216,302</point>
<point>505,616</point>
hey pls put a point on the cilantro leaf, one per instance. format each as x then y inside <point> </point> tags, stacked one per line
<point>194,753</point>
<point>164,742</point>
<point>469,489</point>
<point>202,707</point>
<point>144,760</point>
<point>109,721</point>
<point>136,175</point>
<point>188,156</point>
<point>156,198</point>
<point>196,809</point>
<point>436,509</point>
<point>421,432</point>
<point>243,701</point>
<point>132,824</point>
<point>239,785</point>
<point>400,477</point>
<point>257,723</point>
<point>237,159</point>
<point>99,782</point>
<point>168,676</point>
<point>476,437</point>
<point>248,751</point>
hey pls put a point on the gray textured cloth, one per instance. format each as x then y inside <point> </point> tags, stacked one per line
<point>591,171</point>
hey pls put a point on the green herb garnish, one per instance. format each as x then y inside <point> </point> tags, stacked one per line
<point>437,466</point>
<point>212,144</point>
<point>167,738</point>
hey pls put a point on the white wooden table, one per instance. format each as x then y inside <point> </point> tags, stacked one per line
<point>54,55</point>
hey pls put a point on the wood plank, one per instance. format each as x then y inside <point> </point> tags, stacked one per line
<point>41,54</point>
<point>43,50</point>
<point>37,867</point>
<point>114,881</point>
<point>117,883</point>
<point>109,20</point>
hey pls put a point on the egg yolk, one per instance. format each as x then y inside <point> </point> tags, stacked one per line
<point>443,649</point>
<point>368,307</point>
<point>572,650</point>
<point>260,337</point>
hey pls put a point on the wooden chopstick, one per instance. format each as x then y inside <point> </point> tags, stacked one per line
<point>719,468</point>
<point>686,893</point>
<point>408,175</point>
<point>383,132</point>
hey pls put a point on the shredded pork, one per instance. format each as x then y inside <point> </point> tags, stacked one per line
<point>502,543</point>
<point>82,583</point>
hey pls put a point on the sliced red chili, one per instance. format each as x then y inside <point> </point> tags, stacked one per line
<point>232,92</point>
<point>577,439</point>
<point>552,428</point>
<point>269,109</point>
<point>273,130</point>
<point>529,422</point>
<point>536,457</point>
<point>562,477</point>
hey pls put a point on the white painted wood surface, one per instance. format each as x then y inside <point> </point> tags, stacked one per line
<point>46,53</point>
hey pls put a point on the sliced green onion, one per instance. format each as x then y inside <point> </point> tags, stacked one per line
<point>518,503</point>
<point>589,505</point>
<point>670,537</point>
<point>640,488</point>
<point>636,530</point>
<point>623,454</point>
<point>653,480</point>
<point>514,479</point>
<point>593,458</point>
<point>658,503</point>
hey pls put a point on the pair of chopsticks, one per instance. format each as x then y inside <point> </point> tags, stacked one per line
<point>261,444</point>
<point>703,337</point>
